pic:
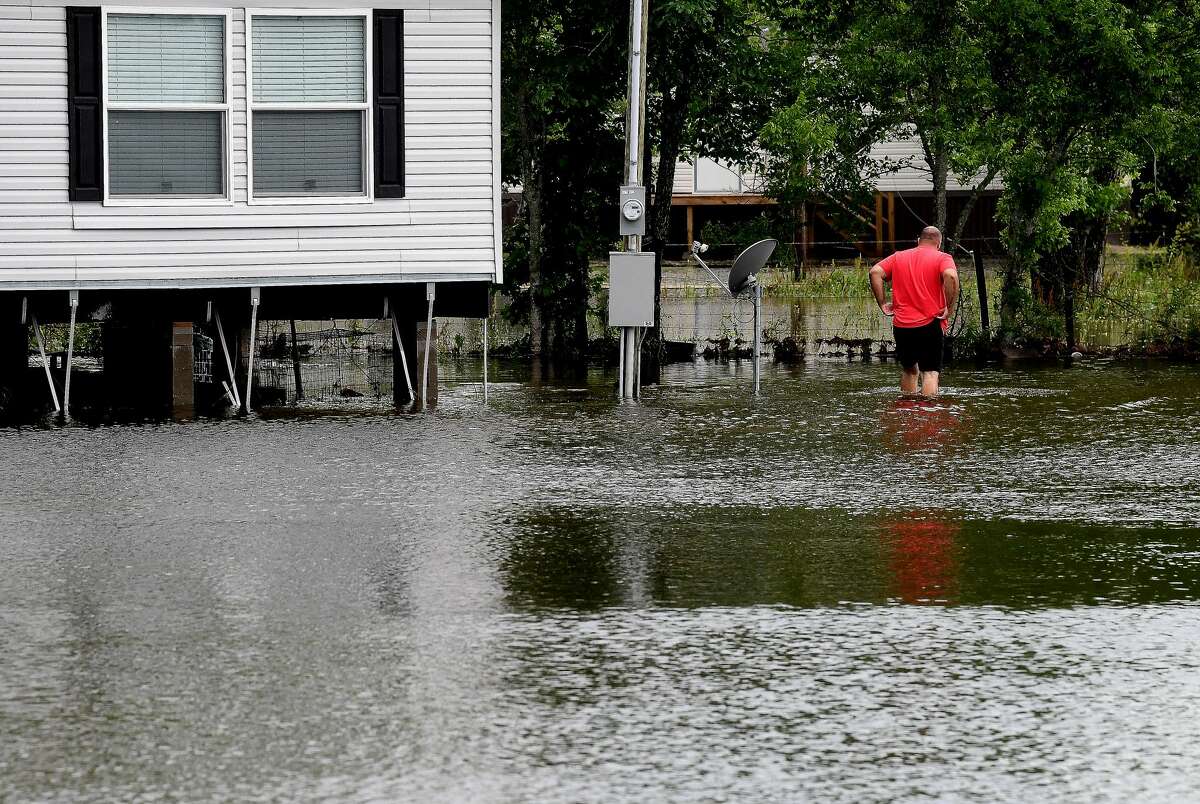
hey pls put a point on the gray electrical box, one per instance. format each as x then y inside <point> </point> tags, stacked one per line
<point>633,210</point>
<point>631,289</point>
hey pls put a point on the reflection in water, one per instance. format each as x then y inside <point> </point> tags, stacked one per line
<point>921,543</point>
<point>923,557</point>
<point>562,559</point>
<point>912,424</point>
<point>563,598</point>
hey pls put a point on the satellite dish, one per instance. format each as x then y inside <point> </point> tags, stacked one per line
<point>748,264</point>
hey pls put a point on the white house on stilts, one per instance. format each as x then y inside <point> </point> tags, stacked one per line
<point>177,165</point>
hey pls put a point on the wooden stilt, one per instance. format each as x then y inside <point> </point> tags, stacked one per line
<point>183,384</point>
<point>296,363</point>
<point>891,217</point>
<point>879,224</point>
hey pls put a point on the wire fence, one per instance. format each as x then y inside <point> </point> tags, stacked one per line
<point>332,361</point>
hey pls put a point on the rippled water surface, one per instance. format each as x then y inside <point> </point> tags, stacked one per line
<point>827,594</point>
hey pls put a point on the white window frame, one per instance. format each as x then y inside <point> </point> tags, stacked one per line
<point>368,137</point>
<point>225,108</point>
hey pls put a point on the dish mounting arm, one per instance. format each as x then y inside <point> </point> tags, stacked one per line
<point>695,253</point>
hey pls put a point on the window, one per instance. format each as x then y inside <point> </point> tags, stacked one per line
<point>309,107</point>
<point>166,124</point>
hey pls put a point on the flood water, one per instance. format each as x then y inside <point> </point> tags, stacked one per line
<point>827,594</point>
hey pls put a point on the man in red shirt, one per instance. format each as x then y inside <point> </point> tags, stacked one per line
<point>924,292</point>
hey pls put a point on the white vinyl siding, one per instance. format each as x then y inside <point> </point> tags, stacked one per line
<point>911,174</point>
<point>908,174</point>
<point>714,177</point>
<point>446,228</point>
<point>161,58</point>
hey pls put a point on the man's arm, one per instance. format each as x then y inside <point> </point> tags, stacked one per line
<point>950,288</point>
<point>878,277</point>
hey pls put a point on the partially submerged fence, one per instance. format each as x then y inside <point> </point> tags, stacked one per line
<point>324,361</point>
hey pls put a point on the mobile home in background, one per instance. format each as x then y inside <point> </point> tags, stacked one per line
<point>178,167</point>
<point>901,204</point>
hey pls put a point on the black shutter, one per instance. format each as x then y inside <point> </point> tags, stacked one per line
<point>84,92</point>
<point>389,103</point>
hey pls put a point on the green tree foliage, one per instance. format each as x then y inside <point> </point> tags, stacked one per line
<point>1070,102</point>
<point>865,71</point>
<point>1081,84</point>
<point>710,87</point>
<point>563,144</point>
<point>564,86</point>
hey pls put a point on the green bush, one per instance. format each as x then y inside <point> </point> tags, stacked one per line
<point>732,236</point>
<point>1154,297</point>
<point>88,339</point>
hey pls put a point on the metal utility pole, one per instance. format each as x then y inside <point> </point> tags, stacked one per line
<point>757,339</point>
<point>634,193</point>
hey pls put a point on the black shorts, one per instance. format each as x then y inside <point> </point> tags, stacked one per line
<point>920,347</point>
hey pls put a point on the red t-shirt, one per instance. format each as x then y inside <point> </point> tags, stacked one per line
<point>916,276</point>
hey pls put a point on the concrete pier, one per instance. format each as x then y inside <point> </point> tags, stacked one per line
<point>431,393</point>
<point>413,335</point>
<point>183,389</point>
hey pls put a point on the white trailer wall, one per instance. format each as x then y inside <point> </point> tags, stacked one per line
<point>446,228</point>
<point>707,176</point>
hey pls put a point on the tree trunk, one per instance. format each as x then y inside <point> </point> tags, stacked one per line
<point>800,235</point>
<point>674,116</point>
<point>581,309</point>
<point>560,337</point>
<point>531,194</point>
<point>965,216</point>
<point>1069,305</point>
<point>533,202</point>
<point>938,162</point>
<point>941,174</point>
<point>1018,265</point>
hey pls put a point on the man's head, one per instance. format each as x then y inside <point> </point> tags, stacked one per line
<point>931,235</point>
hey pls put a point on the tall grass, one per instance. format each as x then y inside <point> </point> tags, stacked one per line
<point>835,282</point>
<point>1141,298</point>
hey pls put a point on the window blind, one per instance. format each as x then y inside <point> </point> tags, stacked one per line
<point>166,58</point>
<point>165,153</point>
<point>308,153</point>
<point>309,59</point>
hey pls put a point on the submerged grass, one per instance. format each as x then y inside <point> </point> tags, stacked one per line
<point>1147,301</point>
<point>1148,298</point>
<point>834,282</point>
